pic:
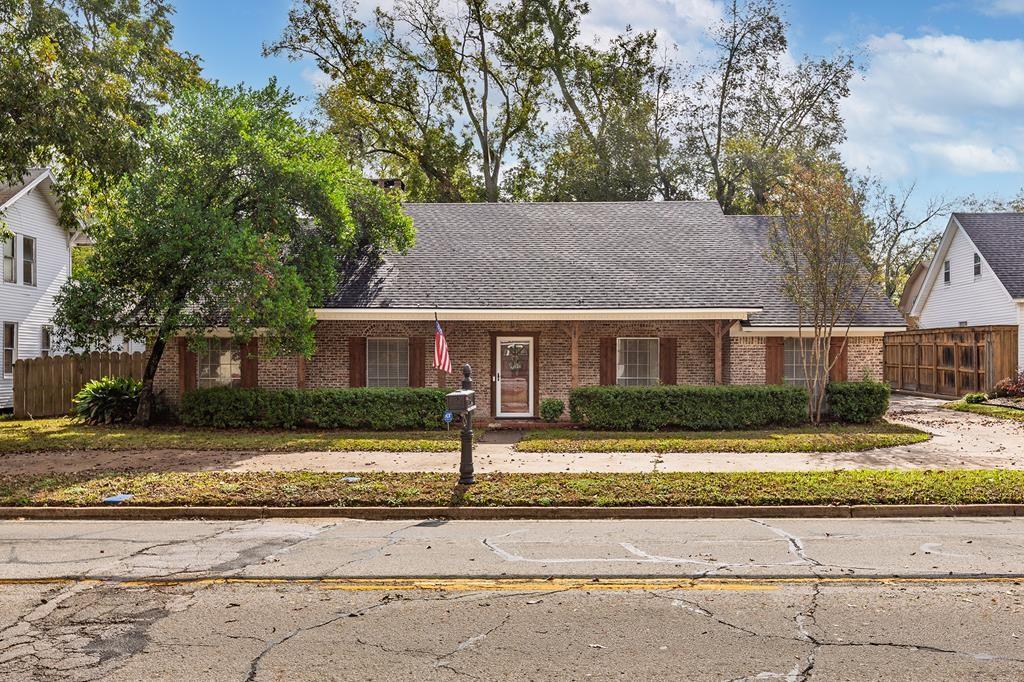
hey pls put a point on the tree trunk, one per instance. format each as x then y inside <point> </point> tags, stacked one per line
<point>147,401</point>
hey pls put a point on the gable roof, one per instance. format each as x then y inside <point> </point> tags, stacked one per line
<point>678,255</point>
<point>999,238</point>
<point>14,191</point>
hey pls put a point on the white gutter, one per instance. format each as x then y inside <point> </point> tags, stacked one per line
<point>508,314</point>
<point>838,330</point>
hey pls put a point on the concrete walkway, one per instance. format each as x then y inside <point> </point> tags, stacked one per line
<point>962,440</point>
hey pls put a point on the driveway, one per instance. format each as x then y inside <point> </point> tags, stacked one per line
<point>961,441</point>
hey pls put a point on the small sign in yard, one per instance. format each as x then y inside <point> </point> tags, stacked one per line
<point>448,417</point>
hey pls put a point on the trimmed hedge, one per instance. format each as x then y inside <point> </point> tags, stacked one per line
<point>378,409</point>
<point>858,402</point>
<point>696,408</point>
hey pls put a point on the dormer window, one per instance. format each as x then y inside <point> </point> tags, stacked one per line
<point>977,265</point>
<point>945,272</point>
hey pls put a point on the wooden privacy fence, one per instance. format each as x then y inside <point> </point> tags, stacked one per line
<point>950,361</point>
<point>44,387</point>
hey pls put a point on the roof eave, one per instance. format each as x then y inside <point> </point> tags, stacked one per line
<point>534,314</point>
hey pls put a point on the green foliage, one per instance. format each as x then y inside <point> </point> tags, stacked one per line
<point>975,398</point>
<point>238,218</point>
<point>551,409</point>
<point>858,402</point>
<point>81,80</point>
<point>110,400</point>
<point>648,408</point>
<point>379,409</point>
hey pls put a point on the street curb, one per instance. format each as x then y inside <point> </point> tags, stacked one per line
<point>509,513</point>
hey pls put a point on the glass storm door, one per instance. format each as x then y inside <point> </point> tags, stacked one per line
<point>513,381</point>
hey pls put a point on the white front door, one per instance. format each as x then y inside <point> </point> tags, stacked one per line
<point>513,379</point>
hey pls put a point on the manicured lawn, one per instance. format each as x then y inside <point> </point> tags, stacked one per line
<point>988,410</point>
<point>65,434</point>
<point>601,490</point>
<point>832,438</point>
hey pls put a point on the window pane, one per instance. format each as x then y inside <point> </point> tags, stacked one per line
<point>44,342</point>
<point>220,364</point>
<point>10,343</point>
<point>637,362</point>
<point>28,260</point>
<point>794,352</point>
<point>9,259</point>
<point>387,362</point>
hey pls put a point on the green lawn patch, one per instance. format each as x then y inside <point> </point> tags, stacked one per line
<point>302,488</point>
<point>831,438</point>
<point>65,434</point>
<point>997,411</point>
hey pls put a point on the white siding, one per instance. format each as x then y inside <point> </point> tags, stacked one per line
<point>975,300</point>
<point>1020,337</point>
<point>32,306</point>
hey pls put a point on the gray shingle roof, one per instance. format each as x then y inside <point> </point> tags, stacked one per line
<point>8,191</point>
<point>608,255</point>
<point>1000,239</point>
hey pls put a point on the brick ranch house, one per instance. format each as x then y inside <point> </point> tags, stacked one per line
<point>542,297</point>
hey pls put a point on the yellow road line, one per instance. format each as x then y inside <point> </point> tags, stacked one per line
<point>522,584</point>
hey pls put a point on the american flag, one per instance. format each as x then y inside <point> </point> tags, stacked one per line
<point>441,359</point>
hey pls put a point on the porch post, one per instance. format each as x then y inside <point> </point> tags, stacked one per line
<point>719,330</point>
<point>574,353</point>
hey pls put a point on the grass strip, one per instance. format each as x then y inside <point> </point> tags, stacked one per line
<point>831,438</point>
<point>997,411</point>
<point>301,488</point>
<point>65,434</point>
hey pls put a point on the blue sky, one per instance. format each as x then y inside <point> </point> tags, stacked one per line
<point>939,100</point>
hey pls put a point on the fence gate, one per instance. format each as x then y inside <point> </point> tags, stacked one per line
<point>952,361</point>
<point>44,387</point>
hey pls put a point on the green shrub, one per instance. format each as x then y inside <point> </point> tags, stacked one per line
<point>109,400</point>
<point>551,409</point>
<point>858,402</point>
<point>975,398</point>
<point>378,409</point>
<point>698,408</point>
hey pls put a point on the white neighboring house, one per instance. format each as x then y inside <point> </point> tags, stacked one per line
<point>36,264</point>
<point>977,275</point>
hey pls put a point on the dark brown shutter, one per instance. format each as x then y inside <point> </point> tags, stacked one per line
<point>251,364</point>
<point>667,360</point>
<point>774,352</point>
<point>837,353</point>
<point>187,366</point>
<point>357,361</point>
<point>417,362</point>
<point>606,362</point>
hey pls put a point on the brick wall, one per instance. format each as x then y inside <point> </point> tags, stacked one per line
<point>864,354</point>
<point>470,342</point>
<point>745,360</point>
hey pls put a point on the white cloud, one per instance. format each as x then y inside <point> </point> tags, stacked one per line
<point>967,158</point>
<point>937,104</point>
<point>998,7</point>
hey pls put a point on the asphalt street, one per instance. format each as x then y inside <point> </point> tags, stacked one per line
<point>836,599</point>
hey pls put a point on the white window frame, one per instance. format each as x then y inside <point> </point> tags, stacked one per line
<point>25,262</point>
<point>621,379</point>
<point>45,340</point>
<point>7,374</point>
<point>977,265</point>
<point>12,259</point>
<point>947,274</point>
<point>203,356</point>
<point>396,379</point>
<point>500,411</point>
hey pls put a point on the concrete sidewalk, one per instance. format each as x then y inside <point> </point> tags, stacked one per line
<point>961,440</point>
